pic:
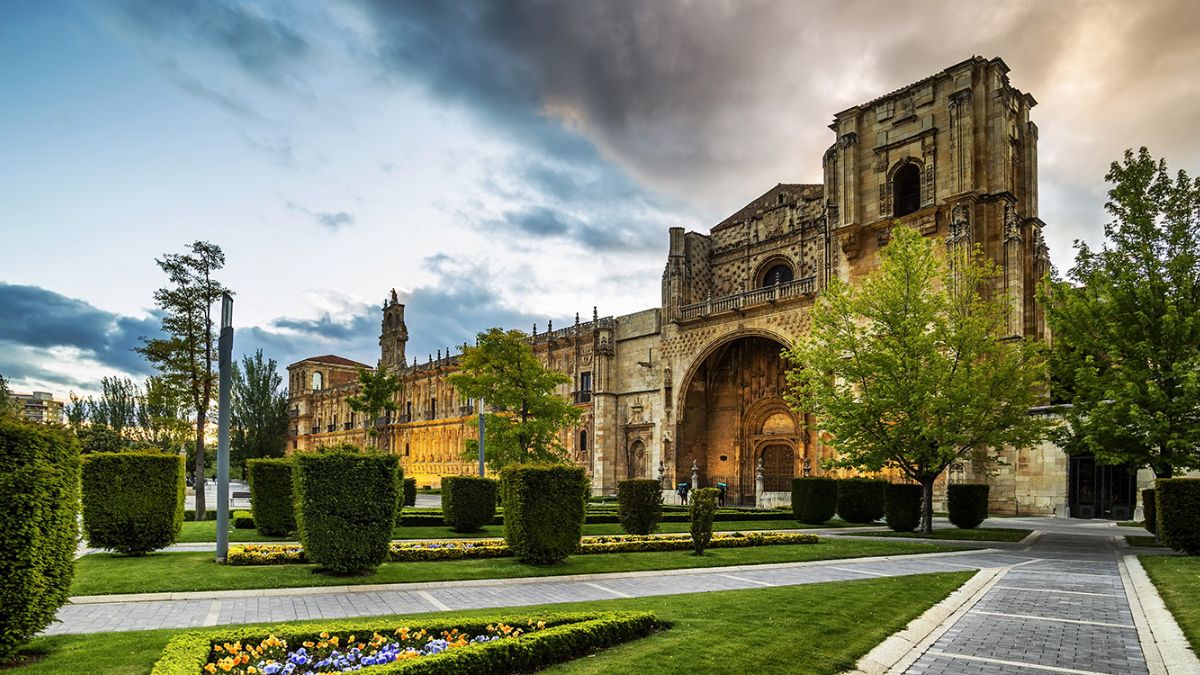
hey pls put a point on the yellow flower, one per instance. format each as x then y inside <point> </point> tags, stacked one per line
<point>308,643</point>
<point>324,635</point>
<point>210,668</point>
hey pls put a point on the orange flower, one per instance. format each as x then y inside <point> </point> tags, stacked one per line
<point>210,668</point>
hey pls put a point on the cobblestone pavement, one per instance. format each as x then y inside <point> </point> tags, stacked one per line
<point>1064,610</point>
<point>233,607</point>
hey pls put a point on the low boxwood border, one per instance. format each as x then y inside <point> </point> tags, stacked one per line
<point>435,517</point>
<point>463,549</point>
<point>566,636</point>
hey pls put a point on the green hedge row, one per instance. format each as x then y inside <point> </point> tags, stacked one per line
<point>902,506</point>
<point>1178,513</point>
<point>410,491</point>
<point>468,502</point>
<point>565,636</point>
<point>967,504</point>
<point>436,518</point>
<point>346,506</point>
<point>242,520</point>
<point>639,505</point>
<point>543,510</point>
<point>272,499</point>
<point>814,499</point>
<point>39,507</point>
<point>132,501</point>
<point>1148,510</point>
<point>861,500</point>
<point>285,554</point>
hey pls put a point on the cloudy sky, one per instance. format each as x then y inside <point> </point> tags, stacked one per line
<point>498,163</point>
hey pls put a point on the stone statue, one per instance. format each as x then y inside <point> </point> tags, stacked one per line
<point>695,474</point>
<point>758,484</point>
<point>662,473</point>
<point>807,467</point>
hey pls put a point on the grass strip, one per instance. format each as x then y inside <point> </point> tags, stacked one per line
<point>720,632</point>
<point>977,534</point>
<point>1178,581</point>
<point>106,573</point>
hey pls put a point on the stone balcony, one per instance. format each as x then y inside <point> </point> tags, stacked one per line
<point>739,302</point>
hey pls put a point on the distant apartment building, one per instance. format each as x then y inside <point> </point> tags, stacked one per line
<point>40,406</point>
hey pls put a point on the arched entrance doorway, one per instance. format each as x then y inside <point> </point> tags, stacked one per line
<point>733,413</point>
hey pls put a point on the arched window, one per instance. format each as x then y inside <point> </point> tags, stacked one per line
<point>780,273</point>
<point>906,189</point>
<point>583,442</point>
<point>406,450</point>
<point>318,381</point>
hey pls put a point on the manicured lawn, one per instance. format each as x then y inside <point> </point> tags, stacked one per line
<point>819,628</point>
<point>1142,540</point>
<point>1131,523</point>
<point>207,530</point>
<point>103,573</point>
<point>1178,581</point>
<point>955,534</point>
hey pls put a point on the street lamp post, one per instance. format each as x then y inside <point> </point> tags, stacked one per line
<point>481,424</point>
<point>225,365</point>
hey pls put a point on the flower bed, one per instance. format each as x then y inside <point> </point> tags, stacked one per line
<point>515,644</point>
<point>417,551</point>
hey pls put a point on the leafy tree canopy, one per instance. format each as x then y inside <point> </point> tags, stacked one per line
<point>525,412</point>
<point>259,409</point>
<point>376,395</point>
<point>910,369</point>
<point>1127,325</point>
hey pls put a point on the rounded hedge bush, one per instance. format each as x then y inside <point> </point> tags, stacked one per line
<point>902,506</point>
<point>271,498</point>
<point>410,491</point>
<point>702,506</point>
<point>1178,513</point>
<point>39,508</point>
<point>132,501</point>
<point>242,520</point>
<point>543,510</point>
<point>346,506</point>
<point>639,505</point>
<point>468,502</point>
<point>814,499</point>
<point>1148,514</point>
<point>861,500</point>
<point>967,504</point>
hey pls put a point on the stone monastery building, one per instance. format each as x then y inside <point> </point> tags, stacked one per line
<point>699,381</point>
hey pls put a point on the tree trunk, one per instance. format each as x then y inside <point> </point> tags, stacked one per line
<point>927,505</point>
<point>198,469</point>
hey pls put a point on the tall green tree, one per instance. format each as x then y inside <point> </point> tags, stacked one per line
<point>1127,325</point>
<point>525,414</point>
<point>117,405</point>
<point>909,370</point>
<point>260,409</point>
<point>162,415</point>
<point>186,356</point>
<point>9,406</point>
<point>376,395</point>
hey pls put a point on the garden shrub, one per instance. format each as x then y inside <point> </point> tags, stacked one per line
<point>39,507</point>
<point>639,505</point>
<point>702,506</point>
<point>242,520</point>
<point>132,501</point>
<point>346,506</point>
<point>410,491</point>
<point>967,504</point>
<point>543,510</point>
<point>1148,515</point>
<point>902,506</point>
<point>546,639</point>
<point>814,499</point>
<point>1178,513</point>
<point>271,498</point>
<point>468,502</point>
<point>861,500</point>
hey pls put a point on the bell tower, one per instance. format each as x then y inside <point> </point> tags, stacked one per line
<point>393,335</point>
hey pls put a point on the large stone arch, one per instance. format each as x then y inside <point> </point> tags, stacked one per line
<point>730,389</point>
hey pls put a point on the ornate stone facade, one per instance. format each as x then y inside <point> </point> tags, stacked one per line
<point>700,379</point>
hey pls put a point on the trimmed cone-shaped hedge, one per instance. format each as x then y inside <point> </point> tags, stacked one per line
<point>39,507</point>
<point>468,502</point>
<point>902,506</point>
<point>814,499</point>
<point>861,500</point>
<point>271,498</point>
<point>410,491</point>
<point>346,506</point>
<point>702,506</point>
<point>967,504</point>
<point>1178,513</point>
<point>639,505</point>
<point>1148,509</point>
<point>543,510</point>
<point>132,501</point>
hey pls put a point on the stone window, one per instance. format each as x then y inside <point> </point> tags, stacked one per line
<point>318,381</point>
<point>583,443</point>
<point>906,190</point>
<point>779,273</point>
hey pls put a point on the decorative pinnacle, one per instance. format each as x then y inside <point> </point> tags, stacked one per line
<point>576,318</point>
<point>549,326</point>
<point>595,314</point>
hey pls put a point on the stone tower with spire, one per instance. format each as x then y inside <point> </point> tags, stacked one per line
<point>393,335</point>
